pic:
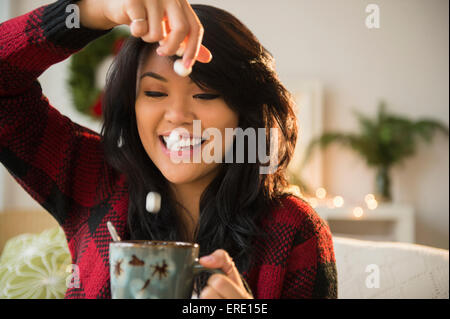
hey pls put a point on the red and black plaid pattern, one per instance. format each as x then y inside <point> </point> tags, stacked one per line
<point>62,166</point>
<point>296,259</point>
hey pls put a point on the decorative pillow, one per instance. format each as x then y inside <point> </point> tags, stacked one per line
<point>33,266</point>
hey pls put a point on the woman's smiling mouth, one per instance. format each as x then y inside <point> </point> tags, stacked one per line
<point>181,148</point>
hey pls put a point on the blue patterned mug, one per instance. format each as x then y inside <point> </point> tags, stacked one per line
<point>143,269</point>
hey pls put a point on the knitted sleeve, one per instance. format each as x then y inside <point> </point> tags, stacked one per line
<point>311,267</point>
<point>295,260</point>
<point>58,162</point>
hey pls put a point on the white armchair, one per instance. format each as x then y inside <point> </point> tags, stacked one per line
<point>390,270</point>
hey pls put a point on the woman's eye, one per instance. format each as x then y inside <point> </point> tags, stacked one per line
<point>206,96</point>
<point>197,96</point>
<point>154,94</point>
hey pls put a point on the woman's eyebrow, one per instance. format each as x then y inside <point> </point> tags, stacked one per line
<point>154,75</point>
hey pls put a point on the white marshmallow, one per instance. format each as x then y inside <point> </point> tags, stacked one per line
<point>153,202</point>
<point>174,137</point>
<point>179,68</point>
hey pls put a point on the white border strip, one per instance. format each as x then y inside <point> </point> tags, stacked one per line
<point>5,13</point>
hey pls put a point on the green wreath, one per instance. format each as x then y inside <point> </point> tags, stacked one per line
<point>83,68</point>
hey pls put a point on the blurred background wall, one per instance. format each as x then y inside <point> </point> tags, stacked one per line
<point>404,62</point>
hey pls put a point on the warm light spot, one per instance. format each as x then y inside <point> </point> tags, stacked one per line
<point>313,202</point>
<point>372,204</point>
<point>321,193</point>
<point>338,201</point>
<point>330,204</point>
<point>295,189</point>
<point>358,212</point>
<point>369,197</point>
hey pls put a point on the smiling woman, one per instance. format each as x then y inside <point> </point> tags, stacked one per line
<point>246,222</point>
<point>238,88</point>
<point>169,102</point>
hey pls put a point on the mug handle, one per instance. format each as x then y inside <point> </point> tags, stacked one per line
<point>198,268</point>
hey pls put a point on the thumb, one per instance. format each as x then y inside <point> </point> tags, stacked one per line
<point>221,260</point>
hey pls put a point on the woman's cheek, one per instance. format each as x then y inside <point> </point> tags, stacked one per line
<point>146,129</point>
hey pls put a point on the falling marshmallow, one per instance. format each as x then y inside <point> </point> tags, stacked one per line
<point>179,68</point>
<point>153,202</point>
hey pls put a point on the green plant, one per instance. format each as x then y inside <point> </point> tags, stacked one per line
<point>383,142</point>
<point>83,68</point>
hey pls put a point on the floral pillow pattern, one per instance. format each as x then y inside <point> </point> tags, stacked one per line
<point>33,266</point>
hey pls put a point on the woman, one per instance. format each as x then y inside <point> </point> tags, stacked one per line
<point>245,221</point>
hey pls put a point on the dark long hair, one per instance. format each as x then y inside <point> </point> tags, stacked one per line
<point>233,205</point>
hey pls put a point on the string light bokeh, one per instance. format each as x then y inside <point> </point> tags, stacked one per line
<point>322,199</point>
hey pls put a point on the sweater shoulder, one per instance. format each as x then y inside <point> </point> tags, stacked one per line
<point>294,211</point>
<point>296,215</point>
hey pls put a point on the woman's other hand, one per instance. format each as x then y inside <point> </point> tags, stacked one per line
<point>229,286</point>
<point>171,22</point>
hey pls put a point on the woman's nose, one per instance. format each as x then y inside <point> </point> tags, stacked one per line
<point>179,112</point>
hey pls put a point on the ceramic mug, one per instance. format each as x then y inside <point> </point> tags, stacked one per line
<point>143,269</point>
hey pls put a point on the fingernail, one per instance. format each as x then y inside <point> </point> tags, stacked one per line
<point>188,63</point>
<point>207,258</point>
<point>159,51</point>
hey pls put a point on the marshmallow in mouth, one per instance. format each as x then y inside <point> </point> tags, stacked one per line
<point>176,142</point>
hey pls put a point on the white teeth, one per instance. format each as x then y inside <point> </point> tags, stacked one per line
<point>196,141</point>
<point>173,138</point>
<point>176,143</point>
<point>166,139</point>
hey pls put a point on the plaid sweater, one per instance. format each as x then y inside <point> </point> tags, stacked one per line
<point>61,165</point>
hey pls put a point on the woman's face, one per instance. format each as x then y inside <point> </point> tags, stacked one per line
<point>166,101</point>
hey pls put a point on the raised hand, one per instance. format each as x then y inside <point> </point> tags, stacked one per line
<point>172,23</point>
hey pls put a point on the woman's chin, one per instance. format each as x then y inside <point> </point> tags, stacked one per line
<point>180,176</point>
<point>186,174</point>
